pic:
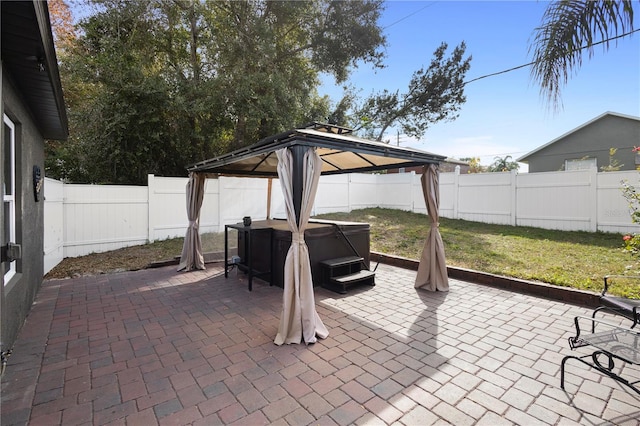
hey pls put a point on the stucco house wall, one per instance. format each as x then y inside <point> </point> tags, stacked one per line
<point>593,139</point>
<point>21,289</point>
<point>33,105</point>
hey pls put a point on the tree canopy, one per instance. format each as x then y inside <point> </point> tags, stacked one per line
<point>434,94</point>
<point>503,164</point>
<point>155,85</point>
<point>474,164</point>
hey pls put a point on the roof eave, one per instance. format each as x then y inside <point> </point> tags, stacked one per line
<point>29,58</point>
<point>44,24</point>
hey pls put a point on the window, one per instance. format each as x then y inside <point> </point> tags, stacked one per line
<point>8,192</point>
<point>581,164</point>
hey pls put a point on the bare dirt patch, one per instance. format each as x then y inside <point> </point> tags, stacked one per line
<point>126,259</point>
<point>133,258</point>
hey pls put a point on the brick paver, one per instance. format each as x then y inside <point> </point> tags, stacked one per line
<point>162,347</point>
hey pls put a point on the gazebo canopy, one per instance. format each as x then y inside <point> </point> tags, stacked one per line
<point>340,151</point>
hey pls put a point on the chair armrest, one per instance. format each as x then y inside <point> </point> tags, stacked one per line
<point>576,341</point>
<point>601,321</point>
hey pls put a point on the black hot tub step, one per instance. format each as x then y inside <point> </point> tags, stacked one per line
<point>342,261</point>
<point>340,273</point>
<point>343,282</point>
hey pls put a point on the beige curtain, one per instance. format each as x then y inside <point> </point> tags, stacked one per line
<point>192,249</point>
<point>432,270</point>
<point>299,319</point>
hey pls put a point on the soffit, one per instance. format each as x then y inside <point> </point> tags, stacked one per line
<point>29,57</point>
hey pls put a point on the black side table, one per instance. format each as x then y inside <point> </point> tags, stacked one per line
<point>245,236</point>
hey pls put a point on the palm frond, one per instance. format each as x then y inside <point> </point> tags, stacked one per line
<point>570,27</point>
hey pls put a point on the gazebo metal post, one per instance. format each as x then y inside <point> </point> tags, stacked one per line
<point>297,154</point>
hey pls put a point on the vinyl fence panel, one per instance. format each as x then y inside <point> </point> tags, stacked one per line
<point>81,219</point>
<point>53,223</point>
<point>613,210</point>
<point>99,218</point>
<point>168,207</point>
<point>449,194</point>
<point>363,191</point>
<point>332,195</point>
<point>240,197</point>
<point>486,197</point>
<point>394,191</point>
<point>278,210</point>
<point>558,200</point>
<point>417,196</point>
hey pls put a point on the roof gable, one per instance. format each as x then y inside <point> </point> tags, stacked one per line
<point>582,126</point>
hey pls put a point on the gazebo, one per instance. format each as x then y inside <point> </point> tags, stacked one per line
<point>298,157</point>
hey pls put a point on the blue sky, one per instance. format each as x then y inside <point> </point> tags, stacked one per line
<point>504,114</point>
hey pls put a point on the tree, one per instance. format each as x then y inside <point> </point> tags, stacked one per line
<point>118,103</point>
<point>614,165</point>
<point>474,164</point>
<point>61,23</point>
<point>503,164</point>
<point>568,28</point>
<point>434,94</point>
<point>154,85</point>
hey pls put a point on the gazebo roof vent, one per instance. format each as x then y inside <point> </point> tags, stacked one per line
<point>328,127</point>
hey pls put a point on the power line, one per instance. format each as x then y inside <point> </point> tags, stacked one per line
<point>533,62</point>
<point>409,15</point>
<point>513,68</point>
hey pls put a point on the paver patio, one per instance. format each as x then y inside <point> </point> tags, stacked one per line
<point>161,347</point>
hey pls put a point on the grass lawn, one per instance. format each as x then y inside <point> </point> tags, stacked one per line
<point>563,258</point>
<point>570,259</point>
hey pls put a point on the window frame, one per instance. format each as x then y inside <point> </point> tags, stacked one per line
<point>9,199</point>
<point>589,162</point>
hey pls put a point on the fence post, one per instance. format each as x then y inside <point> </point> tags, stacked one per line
<point>412,175</point>
<point>456,185</point>
<point>593,193</point>
<point>221,221</point>
<point>150,206</point>
<point>53,195</point>
<point>378,177</point>
<point>349,208</point>
<point>514,194</point>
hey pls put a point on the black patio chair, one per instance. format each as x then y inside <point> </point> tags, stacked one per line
<point>628,308</point>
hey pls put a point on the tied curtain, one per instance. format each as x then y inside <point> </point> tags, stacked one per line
<point>191,257</point>
<point>432,270</point>
<point>299,319</point>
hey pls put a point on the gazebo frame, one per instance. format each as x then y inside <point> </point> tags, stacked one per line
<point>298,157</point>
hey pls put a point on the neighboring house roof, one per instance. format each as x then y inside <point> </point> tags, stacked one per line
<point>29,57</point>
<point>340,151</point>
<point>523,159</point>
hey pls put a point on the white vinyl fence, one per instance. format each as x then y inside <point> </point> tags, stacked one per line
<point>83,219</point>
